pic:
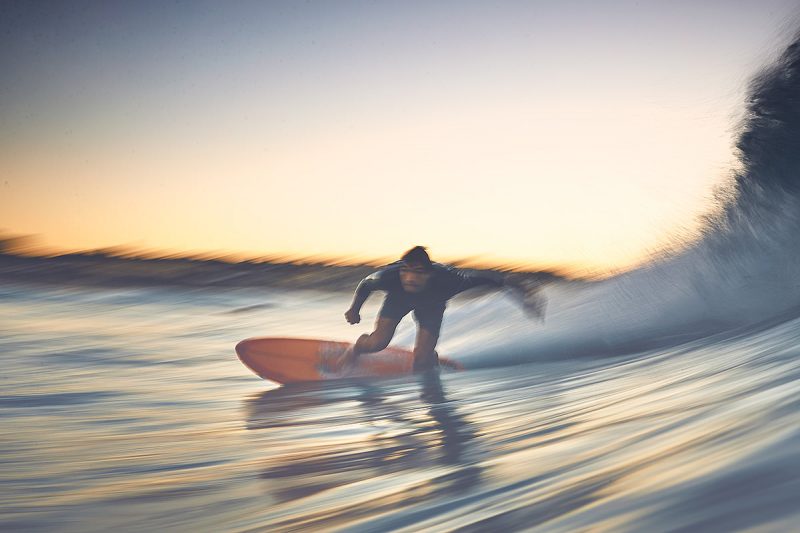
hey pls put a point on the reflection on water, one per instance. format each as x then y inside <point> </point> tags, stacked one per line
<point>369,432</point>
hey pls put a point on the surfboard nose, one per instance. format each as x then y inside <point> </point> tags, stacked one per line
<point>242,348</point>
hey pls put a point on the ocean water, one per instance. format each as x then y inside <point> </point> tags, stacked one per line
<point>663,399</point>
<point>128,409</point>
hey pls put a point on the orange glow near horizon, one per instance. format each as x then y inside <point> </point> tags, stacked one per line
<point>591,193</point>
<point>531,148</point>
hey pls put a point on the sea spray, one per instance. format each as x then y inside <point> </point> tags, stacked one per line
<point>743,270</point>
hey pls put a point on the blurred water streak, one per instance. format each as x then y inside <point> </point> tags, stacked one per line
<point>127,409</point>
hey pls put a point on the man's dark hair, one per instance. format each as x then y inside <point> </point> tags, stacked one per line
<point>418,256</point>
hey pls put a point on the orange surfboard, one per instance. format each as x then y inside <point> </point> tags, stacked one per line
<point>298,360</point>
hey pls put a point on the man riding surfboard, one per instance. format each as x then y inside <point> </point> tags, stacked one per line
<point>415,283</point>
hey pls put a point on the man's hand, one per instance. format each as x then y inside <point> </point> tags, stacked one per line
<point>529,295</point>
<point>352,316</point>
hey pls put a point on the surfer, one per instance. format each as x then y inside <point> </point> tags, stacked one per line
<point>415,283</point>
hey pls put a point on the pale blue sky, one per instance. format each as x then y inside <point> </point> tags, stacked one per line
<point>579,133</point>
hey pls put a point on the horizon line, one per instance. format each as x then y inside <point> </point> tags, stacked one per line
<point>26,246</point>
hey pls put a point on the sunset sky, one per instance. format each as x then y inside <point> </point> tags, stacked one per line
<point>584,134</point>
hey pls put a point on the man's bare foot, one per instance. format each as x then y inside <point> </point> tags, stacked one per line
<point>345,360</point>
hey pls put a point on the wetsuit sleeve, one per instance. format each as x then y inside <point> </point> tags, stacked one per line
<point>460,281</point>
<point>373,282</point>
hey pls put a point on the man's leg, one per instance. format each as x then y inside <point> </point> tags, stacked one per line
<point>372,342</point>
<point>429,323</point>
<point>425,356</point>
<point>394,308</point>
<point>378,339</point>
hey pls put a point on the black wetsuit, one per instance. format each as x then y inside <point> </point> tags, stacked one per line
<point>428,305</point>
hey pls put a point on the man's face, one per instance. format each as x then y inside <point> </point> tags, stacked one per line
<point>414,277</point>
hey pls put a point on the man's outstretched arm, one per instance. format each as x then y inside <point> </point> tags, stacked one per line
<point>526,291</point>
<point>364,289</point>
<point>463,281</point>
